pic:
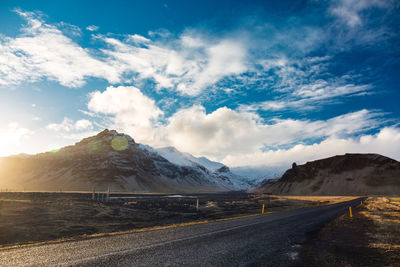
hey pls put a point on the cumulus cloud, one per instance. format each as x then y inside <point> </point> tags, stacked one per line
<point>129,110</point>
<point>385,142</point>
<point>69,125</point>
<point>235,136</point>
<point>66,131</point>
<point>229,132</point>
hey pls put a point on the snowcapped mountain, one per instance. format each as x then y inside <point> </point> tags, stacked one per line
<point>219,170</point>
<point>116,160</point>
<point>186,159</point>
<point>107,159</point>
<point>257,174</point>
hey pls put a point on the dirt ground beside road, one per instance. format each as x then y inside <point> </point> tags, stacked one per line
<point>370,238</point>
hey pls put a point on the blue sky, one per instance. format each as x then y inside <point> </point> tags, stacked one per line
<point>242,82</point>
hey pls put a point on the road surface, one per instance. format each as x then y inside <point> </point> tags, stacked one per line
<point>267,240</point>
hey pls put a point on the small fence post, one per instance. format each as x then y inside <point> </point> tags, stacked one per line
<point>197,204</point>
<point>262,210</point>
<point>350,212</point>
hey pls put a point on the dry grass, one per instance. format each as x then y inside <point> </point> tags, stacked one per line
<point>321,199</point>
<point>385,214</point>
<point>370,238</point>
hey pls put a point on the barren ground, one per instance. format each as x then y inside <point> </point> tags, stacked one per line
<point>36,217</point>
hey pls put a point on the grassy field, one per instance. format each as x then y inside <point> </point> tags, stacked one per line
<point>370,238</point>
<point>35,217</point>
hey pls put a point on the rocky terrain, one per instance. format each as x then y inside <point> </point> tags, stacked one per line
<point>114,160</point>
<point>349,174</point>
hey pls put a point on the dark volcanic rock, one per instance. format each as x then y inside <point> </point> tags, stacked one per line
<point>349,174</point>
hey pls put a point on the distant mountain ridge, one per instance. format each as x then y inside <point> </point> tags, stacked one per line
<point>218,169</point>
<point>349,174</point>
<point>186,159</point>
<point>107,159</point>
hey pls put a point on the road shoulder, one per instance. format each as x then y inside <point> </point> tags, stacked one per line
<point>370,238</point>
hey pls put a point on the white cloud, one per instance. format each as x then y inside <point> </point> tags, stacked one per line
<point>221,132</point>
<point>228,132</point>
<point>12,138</point>
<point>311,96</point>
<point>300,87</point>
<point>321,89</point>
<point>188,64</point>
<point>83,125</point>
<point>92,28</point>
<point>129,108</point>
<point>65,131</point>
<point>349,11</point>
<point>386,142</point>
<point>68,125</point>
<point>138,38</point>
<point>43,51</point>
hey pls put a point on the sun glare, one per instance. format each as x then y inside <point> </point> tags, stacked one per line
<point>119,143</point>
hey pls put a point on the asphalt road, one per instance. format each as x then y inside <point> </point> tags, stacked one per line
<point>267,240</point>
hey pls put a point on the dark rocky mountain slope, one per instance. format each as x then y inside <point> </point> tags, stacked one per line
<point>349,174</point>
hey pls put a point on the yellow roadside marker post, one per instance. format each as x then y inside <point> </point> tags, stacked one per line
<point>262,211</point>
<point>351,213</point>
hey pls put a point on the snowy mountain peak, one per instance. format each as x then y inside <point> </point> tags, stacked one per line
<point>107,140</point>
<point>221,172</point>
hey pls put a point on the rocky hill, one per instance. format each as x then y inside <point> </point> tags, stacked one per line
<point>107,159</point>
<point>349,174</point>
